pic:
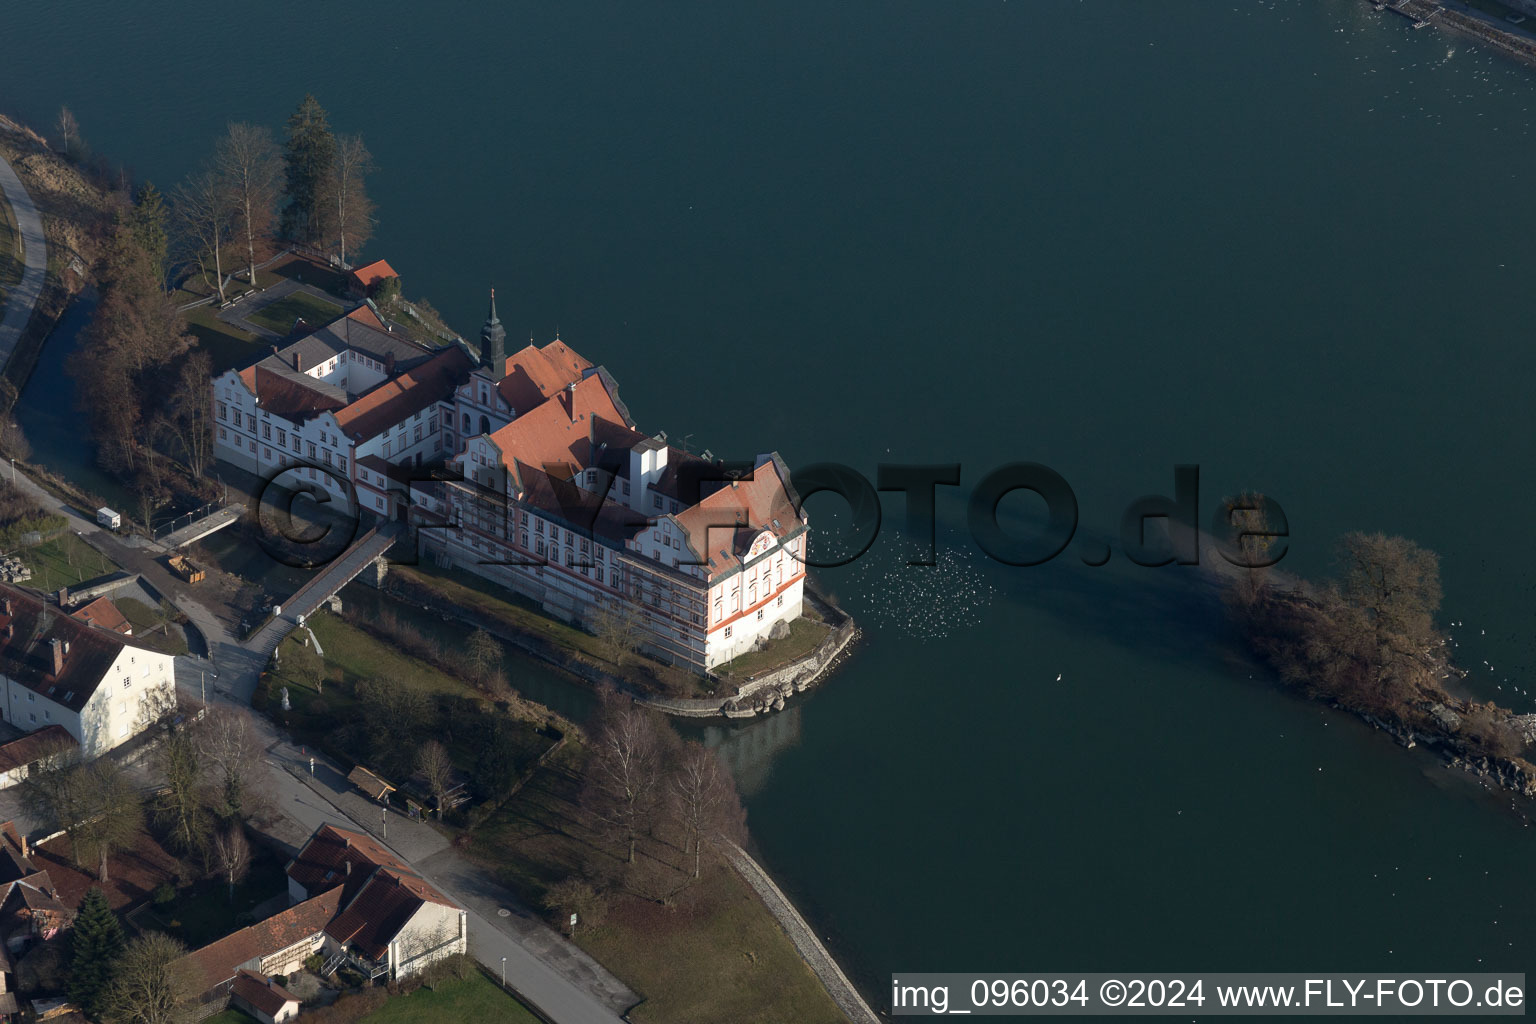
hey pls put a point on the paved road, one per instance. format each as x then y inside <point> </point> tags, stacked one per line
<point>21,299</point>
<point>540,964</point>
<point>543,966</point>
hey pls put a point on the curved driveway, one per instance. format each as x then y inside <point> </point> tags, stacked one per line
<point>21,299</point>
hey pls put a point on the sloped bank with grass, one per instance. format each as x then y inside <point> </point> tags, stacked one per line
<point>755,683</point>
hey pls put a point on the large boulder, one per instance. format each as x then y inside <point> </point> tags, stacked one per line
<point>779,630</point>
<point>1445,718</point>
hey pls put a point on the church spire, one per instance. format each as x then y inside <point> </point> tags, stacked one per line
<point>493,343</point>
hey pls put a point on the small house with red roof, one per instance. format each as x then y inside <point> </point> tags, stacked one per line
<point>103,614</point>
<point>391,920</point>
<point>30,908</point>
<point>364,281</point>
<point>354,902</point>
<point>263,998</point>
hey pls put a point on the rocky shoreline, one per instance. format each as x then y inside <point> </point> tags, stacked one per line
<point>770,692</point>
<point>1515,774</point>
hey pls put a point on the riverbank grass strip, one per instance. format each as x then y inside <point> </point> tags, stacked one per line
<point>716,954</point>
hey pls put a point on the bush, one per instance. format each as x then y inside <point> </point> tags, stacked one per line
<point>349,1008</point>
<point>313,963</point>
<point>164,893</point>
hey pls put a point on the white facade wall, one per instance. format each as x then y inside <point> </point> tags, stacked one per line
<point>478,405</point>
<point>114,714</point>
<point>432,933</point>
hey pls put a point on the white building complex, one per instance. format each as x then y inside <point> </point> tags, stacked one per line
<point>99,686</point>
<point>528,470</point>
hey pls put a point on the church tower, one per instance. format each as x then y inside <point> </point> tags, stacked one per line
<point>493,343</point>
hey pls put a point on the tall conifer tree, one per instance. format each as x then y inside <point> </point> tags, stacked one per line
<point>97,943</point>
<point>308,157</point>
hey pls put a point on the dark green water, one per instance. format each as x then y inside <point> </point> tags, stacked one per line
<point>1286,241</point>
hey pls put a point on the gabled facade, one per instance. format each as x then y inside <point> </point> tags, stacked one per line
<point>99,686</point>
<point>30,909</point>
<point>559,498</point>
<point>389,919</point>
<point>306,414</point>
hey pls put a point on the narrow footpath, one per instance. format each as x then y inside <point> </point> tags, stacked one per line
<point>542,966</point>
<point>21,299</point>
<point>811,950</point>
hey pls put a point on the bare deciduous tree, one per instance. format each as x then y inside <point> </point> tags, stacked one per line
<point>228,743</point>
<point>68,129</point>
<point>436,767</point>
<point>189,412</point>
<point>346,196</point>
<point>179,805</point>
<point>618,630</point>
<point>483,653</point>
<point>247,163</point>
<point>232,853</point>
<point>704,800</point>
<point>150,984</point>
<point>93,802</point>
<point>205,215</point>
<point>624,774</point>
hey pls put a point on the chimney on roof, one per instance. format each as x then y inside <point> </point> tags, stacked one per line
<point>58,656</point>
<point>298,361</point>
<point>7,606</point>
<point>349,866</point>
<point>63,597</point>
<point>389,363</point>
<point>568,399</point>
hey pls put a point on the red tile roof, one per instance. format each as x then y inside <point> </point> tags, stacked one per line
<point>323,861</point>
<point>373,273</point>
<point>729,519</point>
<point>264,994</point>
<point>559,431</point>
<point>378,895</point>
<point>535,374</point>
<point>50,739</point>
<point>287,397</point>
<point>364,314</point>
<point>27,632</point>
<point>105,615</point>
<point>380,909</point>
<point>397,400</point>
<point>218,962</point>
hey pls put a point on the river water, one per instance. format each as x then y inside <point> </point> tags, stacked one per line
<point>1286,241</point>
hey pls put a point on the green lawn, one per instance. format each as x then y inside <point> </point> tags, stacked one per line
<point>280,315</point>
<point>353,656</point>
<point>804,636</point>
<point>718,955</point>
<point>228,346</point>
<point>475,999</point>
<point>462,589</point>
<point>147,626</point>
<point>64,561</point>
<point>229,1017</point>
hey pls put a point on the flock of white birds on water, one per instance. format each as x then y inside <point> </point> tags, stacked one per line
<point>1507,689</point>
<point>925,602</point>
<point>1383,38</point>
